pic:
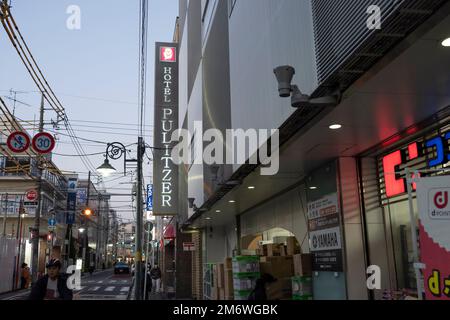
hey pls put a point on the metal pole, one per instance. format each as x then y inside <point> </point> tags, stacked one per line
<point>5,216</point>
<point>146,259</point>
<point>35,260</point>
<point>138,255</point>
<point>413,233</point>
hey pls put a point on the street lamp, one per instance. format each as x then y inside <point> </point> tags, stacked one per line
<point>81,229</point>
<point>115,151</point>
<point>106,169</point>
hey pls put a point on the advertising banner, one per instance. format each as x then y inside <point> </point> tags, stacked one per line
<point>165,200</point>
<point>434,227</point>
<point>325,240</point>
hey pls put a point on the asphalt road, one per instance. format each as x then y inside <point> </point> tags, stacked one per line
<point>104,285</point>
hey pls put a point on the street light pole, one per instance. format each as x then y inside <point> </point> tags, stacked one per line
<point>139,233</point>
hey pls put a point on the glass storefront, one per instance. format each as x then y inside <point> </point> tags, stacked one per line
<point>386,208</point>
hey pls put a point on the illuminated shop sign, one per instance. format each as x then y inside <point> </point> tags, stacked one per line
<point>165,171</point>
<point>436,151</point>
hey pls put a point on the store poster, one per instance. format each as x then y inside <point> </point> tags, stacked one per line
<point>325,241</point>
<point>433,197</point>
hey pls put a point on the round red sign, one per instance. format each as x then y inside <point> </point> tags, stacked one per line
<point>18,142</point>
<point>31,195</point>
<point>43,143</point>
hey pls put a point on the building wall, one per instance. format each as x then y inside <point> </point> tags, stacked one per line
<point>354,252</point>
<point>288,211</point>
<point>264,34</point>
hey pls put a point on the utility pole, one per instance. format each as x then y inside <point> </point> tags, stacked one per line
<point>4,217</point>
<point>138,256</point>
<point>35,257</point>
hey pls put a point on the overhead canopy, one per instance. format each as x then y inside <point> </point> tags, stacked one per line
<point>170,233</point>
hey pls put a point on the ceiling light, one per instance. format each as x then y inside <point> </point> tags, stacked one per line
<point>446,43</point>
<point>231,201</point>
<point>208,218</point>
<point>251,187</point>
<point>335,126</point>
<point>312,188</point>
<point>218,211</point>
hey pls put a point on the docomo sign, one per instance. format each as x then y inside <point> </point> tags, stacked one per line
<point>436,149</point>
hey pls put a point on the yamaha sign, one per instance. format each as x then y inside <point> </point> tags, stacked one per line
<point>165,172</point>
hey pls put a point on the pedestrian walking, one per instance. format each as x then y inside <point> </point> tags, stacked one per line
<point>25,276</point>
<point>155,275</point>
<point>53,286</point>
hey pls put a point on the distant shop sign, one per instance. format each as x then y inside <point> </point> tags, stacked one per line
<point>188,246</point>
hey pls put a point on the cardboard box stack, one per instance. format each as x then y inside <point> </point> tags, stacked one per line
<point>302,264</point>
<point>292,271</point>
<point>228,279</point>
<point>245,273</point>
<point>223,280</point>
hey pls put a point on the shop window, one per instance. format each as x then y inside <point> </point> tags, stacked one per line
<point>400,227</point>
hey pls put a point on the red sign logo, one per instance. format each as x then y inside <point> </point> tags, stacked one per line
<point>441,199</point>
<point>168,54</point>
<point>31,195</point>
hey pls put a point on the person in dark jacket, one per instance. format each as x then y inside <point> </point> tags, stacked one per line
<point>155,274</point>
<point>53,286</point>
<point>259,293</point>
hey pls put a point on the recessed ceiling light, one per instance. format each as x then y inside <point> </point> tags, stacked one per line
<point>335,126</point>
<point>312,188</point>
<point>446,43</point>
<point>251,187</point>
<point>231,201</point>
<point>218,211</point>
<point>208,218</point>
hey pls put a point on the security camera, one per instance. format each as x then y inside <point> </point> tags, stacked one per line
<point>284,75</point>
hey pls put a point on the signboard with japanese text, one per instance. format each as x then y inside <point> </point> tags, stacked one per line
<point>165,171</point>
<point>325,240</point>
<point>433,199</point>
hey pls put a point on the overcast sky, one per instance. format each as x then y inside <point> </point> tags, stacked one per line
<point>93,71</point>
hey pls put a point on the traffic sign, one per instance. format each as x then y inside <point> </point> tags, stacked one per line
<point>18,142</point>
<point>43,143</point>
<point>31,195</point>
<point>51,222</point>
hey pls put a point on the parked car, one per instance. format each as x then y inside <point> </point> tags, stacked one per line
<point>121,268</point>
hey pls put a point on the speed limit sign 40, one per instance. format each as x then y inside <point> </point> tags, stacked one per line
<point>43,143</point>
<point>18,142</point>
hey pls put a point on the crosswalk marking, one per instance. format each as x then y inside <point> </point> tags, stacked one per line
<point>94,288</point>
<point>124,281</point>
<point>110,289</point>
<point>124,289</point>
<point>113,281</point>
<point>101,281</point>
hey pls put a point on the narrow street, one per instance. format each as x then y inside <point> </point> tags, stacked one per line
<point>104,285</point>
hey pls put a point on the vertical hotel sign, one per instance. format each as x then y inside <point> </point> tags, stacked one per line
<point>165,172</point>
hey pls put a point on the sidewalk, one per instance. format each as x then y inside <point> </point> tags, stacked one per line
<point>15,295</point>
